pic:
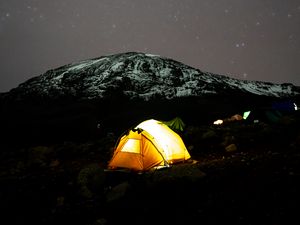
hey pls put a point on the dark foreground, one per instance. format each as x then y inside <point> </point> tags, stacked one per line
<point>255,182</point>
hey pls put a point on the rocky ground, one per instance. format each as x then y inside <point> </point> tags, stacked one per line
<point>240,173</point>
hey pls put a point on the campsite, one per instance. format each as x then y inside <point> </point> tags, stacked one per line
<point>149,112</point>
<point>244,171</point>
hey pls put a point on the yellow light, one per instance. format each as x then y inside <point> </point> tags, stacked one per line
<point>132,145</point>
<point>218,122</point>
<point>168,140</point>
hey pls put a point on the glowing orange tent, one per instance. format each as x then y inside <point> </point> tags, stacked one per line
<point>151,144</point>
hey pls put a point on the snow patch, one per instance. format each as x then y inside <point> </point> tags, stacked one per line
<point>86,64</point>
<point>117,66</point>
<point>183,92</point>
<point>152,55</point>
<point>165,72</point>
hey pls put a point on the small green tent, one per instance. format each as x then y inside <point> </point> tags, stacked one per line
<point>175,124</point>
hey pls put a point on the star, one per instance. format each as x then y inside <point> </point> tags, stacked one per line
<point>175,18</point>
<point>238,45</point>
<point>41,16</point>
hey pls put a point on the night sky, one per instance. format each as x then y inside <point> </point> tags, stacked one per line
<point>244,39</point>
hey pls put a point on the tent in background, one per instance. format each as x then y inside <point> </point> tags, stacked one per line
<point>264,115</point>
<point>150,144</point>
<point>284,106</point>
<point>175,124</point>
<point>236,117</point>
<point>246,114</point>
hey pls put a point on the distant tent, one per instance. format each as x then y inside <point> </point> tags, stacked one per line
<point>246,114</point>
<point>264,115</point>
<point>286,106</point>
<point>236,117</point>
<point>150,144</point>
<point>175,124</point>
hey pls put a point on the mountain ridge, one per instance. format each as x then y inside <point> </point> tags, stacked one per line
<point>139,75</point>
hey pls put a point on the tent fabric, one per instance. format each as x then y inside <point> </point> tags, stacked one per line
<point>150,144</point>
<point>175,124</point>
<point>171,142</point>
<point>137,151</point>
<point>246,114</point>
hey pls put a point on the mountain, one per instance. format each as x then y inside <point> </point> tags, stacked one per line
<point>139,75</point>
<point>117,91</point>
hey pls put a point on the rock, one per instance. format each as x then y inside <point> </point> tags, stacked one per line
<point>54,163</point>
<point>210,134</point>
<point>100,221</point>
<point>39,156</point>
<point>228,139</point>
<point>231,148</point>
<point>91,180</point>
<point>187,171</point>
<point>60,201</point>
<point>118,192</point>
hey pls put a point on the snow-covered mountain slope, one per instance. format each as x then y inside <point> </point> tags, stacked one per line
<point>140,75</point>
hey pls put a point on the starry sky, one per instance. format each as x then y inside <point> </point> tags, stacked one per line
<point>250,40</point>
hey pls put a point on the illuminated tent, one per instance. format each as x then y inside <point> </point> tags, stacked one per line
<point>246,114</point>
<point>151,144</point>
